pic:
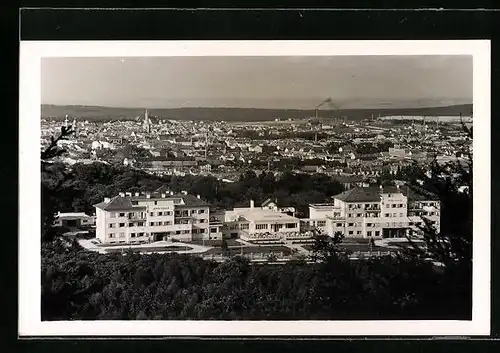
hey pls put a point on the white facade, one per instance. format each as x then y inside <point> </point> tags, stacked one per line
<point>261,224</point>
<point>386,214</point>
<point>74,219</point>
<point>147,218</point>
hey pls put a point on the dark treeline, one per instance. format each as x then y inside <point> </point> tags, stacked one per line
<point>80,285</point>
<point>88,184</point>
<point>97,113</point>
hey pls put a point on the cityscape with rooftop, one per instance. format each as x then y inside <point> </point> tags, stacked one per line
<point>300,168</point>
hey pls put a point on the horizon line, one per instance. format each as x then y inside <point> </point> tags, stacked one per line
<point>260,108</point>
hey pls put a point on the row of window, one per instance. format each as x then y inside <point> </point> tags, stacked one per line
<point>359,215</point>
<point>120,225</point>
<point>187,213</point>
<point>395,205</point>
<point>360,205</point>
<point>266,226</point>
<point>368,233</point>
<point>394,214</point>
<point>198,231</point>
<point>122,235</point>
<point>422,204</point>
<point>152,224</point>
<point>157,224</point>
<point>157,214</point>
<point>424,213</point>
<point>372,225</point>
<point>160,213</point>
<point>122,214</point>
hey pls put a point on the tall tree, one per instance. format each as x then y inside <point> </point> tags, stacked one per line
<point>56,176</point>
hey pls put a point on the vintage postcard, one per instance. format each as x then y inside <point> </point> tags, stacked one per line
<point>254,188</point>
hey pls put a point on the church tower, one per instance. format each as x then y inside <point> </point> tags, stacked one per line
<point>147,122</point>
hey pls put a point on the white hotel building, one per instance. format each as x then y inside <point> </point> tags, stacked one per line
<point>383,212</point>
<point>149,217</point>
<point>266,224</point>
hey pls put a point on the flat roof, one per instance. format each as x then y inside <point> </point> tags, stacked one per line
<point>72,215</point>
<point>324,205</point>
<point>373,194</point>
<point>260,215</point>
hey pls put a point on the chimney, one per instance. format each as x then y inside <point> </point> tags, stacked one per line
<point>163,196</point>
<point>198,196</point>
<point>252,204</point>
<point>171,193</point>
<point>122,194</point>
<point>107,199</point>
<point>136,194</point>
<point>148,196</point>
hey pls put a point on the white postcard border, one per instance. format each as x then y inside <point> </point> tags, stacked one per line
<point>31,52</point>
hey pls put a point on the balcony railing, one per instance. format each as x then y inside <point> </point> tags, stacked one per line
<point>137,218</point>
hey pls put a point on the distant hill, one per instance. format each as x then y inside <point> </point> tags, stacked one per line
<point>96,113</point>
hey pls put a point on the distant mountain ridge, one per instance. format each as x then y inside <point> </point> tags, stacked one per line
<point>98,113</point>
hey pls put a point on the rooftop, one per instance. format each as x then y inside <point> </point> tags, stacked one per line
<point>257,215</point>
<point>125,202</point>
<point>322,205</point>
<point>373,193</point>
<point>72,215</point>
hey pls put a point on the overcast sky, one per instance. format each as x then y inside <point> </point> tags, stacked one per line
<point>258,82</point>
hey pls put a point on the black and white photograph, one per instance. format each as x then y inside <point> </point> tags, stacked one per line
<point>259,190</point>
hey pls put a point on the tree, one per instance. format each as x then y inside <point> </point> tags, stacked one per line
<point>224,246</point>
<point>453,244</point>
<point>272,257</point>
<point>326,248</point>
<point>57,178</point>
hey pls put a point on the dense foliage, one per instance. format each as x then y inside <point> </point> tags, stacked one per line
<point>80,285</point>
<point>88,184</point>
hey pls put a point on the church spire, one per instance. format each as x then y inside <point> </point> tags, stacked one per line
<point>147,122</point>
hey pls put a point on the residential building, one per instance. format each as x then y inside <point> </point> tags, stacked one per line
<point>148,217</point>
<point>385,212</point>
<point>74,219</point>
<point>266,224</point>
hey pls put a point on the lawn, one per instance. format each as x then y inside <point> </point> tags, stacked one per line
<point>152,249</point>
<point>251,250</point>
<point>353,247</point>
<point>215,243</point>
